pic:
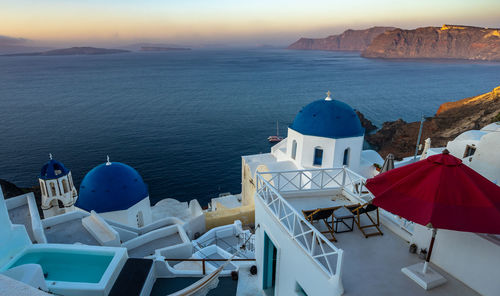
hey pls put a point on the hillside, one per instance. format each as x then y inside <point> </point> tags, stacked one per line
<point>448,41</point>
<point>350,40</point>
<point>399,137</point>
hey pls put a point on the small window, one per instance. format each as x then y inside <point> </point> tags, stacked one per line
<point>65,186</point>
<point>42,187</point>
<point>294,149</point>
<point>299,290</point>
<point>53,189</point>
<point>318,156</point>
<point>346,157</point>
<point>469,151</point>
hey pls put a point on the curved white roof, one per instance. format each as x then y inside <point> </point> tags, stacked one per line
<point>492,127</point>
<point>472,135</point>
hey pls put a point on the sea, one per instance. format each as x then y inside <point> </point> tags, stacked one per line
<point>184,119</point>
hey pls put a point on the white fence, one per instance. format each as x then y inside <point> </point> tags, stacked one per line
<point>270,185</point>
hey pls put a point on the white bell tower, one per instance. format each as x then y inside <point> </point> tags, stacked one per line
<point>58,191</point>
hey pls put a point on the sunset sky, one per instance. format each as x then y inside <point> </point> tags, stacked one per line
<point>225,21</point>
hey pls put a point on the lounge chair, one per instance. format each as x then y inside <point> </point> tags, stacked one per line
<point>322,214</point>
<point>366,208</point>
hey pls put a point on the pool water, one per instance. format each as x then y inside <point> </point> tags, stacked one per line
<point>60,265</point>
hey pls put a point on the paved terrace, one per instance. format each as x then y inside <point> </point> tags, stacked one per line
<point>149,248</point>
<point>69,232</point>
<point>371,266</point>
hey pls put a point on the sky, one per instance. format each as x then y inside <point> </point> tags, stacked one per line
<point>238,22</point>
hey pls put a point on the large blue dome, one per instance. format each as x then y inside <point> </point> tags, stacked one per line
<point>111,187</point>
<point>53,169</point>
<point>329,119</point>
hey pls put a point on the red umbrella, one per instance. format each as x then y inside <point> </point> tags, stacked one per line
<point>439,192</point>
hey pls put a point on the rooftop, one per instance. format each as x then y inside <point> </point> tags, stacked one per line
<point>368,264</point>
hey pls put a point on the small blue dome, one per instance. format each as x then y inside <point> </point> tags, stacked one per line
<point>111,187</point>
<point>328,119</point>
<point>53,169</point>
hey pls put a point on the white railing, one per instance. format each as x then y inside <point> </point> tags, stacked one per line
<point>319,179</point>
<point>313,243</point>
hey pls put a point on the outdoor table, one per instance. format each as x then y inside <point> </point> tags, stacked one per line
<point>340,216</point>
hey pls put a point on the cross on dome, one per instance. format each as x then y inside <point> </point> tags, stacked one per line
<point>328,97</point>
<point>107,160</point>
<point>50,156</point>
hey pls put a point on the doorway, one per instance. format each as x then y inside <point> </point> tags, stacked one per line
<point>269,266</point>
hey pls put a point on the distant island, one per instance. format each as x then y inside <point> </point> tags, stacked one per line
<point>349,40</point>
<point>446,42</point>
<point>161,48</point>
<point>72,51</point>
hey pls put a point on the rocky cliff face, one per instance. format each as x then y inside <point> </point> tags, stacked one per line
<point>449,41</point>
<point>350,40</point>
<point>399,137</point>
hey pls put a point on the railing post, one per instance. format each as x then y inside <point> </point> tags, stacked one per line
<point>203,264</point>
<point>338,270</point>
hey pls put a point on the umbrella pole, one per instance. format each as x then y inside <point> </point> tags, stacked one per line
<point>434,231</point>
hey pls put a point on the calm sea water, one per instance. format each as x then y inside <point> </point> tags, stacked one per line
<point>183,119</point>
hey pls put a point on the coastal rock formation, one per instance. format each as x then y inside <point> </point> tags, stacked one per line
<point>449,41</point>
<point>350,40</point>
<point>365,123</point>
<point>399,137</point>
<point>160,48</point>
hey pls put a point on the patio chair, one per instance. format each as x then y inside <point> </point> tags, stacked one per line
<point>366,208</point>
<point>322,214</point>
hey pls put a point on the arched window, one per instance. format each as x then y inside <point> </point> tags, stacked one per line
<point>65,186</point>
<point>53,189</point>
<point>346,157</point>
<point>318,156</point>
<point>60,204</point>
<point>294,149</point>
<point>42,188</point>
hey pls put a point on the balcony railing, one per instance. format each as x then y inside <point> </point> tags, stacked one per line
<point>271,185</point>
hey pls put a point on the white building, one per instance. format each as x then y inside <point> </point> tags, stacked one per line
<point>324,134</point>
<point>58,191</point>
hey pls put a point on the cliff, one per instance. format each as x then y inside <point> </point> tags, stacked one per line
<point>399,137</point>
<point>449,42</point>
<point>350,40</point>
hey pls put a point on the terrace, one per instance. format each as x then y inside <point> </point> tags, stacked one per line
<point>363,266</point>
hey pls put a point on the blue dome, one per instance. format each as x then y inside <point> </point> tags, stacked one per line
<point>111,187</point>
<point>53,169</point>
<point>329,119</point>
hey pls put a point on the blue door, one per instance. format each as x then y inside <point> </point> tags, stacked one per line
<point>269,266</point>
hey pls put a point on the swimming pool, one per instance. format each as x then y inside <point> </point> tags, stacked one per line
<point>68,265</point>
<point>75,269</point>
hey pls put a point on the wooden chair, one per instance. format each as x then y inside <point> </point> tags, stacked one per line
<point>322,214</point>
<point>366,208</point>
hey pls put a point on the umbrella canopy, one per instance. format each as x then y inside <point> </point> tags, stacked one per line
<point>439,192</point>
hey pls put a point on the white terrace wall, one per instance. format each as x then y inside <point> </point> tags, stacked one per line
<point>467,256</point>
<point>291,259</point>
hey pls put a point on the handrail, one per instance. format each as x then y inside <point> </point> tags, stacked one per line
<point>312,241</point>
<point>203,260</point>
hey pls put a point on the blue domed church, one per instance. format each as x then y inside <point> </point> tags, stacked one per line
<point>326,133</point>
<point>117,192</point>
<point>57,189</point>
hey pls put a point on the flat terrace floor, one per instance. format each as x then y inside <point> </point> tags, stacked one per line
<point>372,266</point>
<point>149,248</point>
<point>21,215</point>
<point>70,232</point>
